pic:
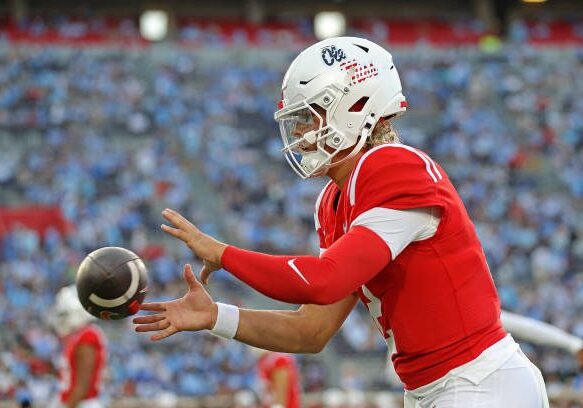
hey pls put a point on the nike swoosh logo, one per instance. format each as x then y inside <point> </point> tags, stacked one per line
<point>308,81</point>
<point>292,265</point>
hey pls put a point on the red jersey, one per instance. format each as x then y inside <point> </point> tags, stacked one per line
<point>269,363</point>
<point>436,298</point>
<point>90,335</point>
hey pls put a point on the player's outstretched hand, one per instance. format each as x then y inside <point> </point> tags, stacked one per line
<point>205,247</point>
<point>194,311</point>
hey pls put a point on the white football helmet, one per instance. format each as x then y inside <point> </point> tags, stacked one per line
<point>352,80</point>
<point>68,314</point>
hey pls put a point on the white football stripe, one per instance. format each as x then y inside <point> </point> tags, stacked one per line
<point>432,164</point>
<point>426,160</point>
<point>118,301</point>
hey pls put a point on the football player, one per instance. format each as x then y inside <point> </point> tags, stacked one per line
<point>83,359</point>
<point>279,377</point>
<point>393,233</point>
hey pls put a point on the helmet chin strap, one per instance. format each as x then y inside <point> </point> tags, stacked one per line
<point>357,147</point>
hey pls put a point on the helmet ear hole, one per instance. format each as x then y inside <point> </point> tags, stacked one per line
<point>359,105</point>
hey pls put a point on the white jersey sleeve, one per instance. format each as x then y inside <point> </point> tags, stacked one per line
<point>540,333</point>
<point>399,228</point>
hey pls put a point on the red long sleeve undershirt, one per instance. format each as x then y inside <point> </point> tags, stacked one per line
<point>349,263</point>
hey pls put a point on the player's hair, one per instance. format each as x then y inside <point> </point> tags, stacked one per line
<point>383,133</point>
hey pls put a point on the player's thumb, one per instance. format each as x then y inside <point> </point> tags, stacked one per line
<point>190,279</point>
<point>205,272</point>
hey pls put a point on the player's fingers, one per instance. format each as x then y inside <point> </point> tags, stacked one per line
<point>178,219</point>
<point>163,334</point>
<point>154,307</point>
<point>176,215</point>
<point>148,319</point>
<point>170,216</point>
<point>191,280</point>
<point>175,232</point>
<point>162,325</point>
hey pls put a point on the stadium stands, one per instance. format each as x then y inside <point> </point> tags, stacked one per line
<point>108,137</point>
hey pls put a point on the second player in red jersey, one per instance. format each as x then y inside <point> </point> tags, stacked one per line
<point>83,358</point>
<point>280,383</point>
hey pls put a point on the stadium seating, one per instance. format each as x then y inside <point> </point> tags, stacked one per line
<point>109,137</point>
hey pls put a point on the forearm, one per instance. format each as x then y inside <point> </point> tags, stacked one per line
<point>540,333</point>
<point>306,330</point>
<point>281,384</point>
<point>272,330</point>
<point>343,268</point>
<point>86,357</point>
<point>78,393</point>
<point>75,398</point>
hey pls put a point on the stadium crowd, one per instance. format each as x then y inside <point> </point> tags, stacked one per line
<point>110,137</point>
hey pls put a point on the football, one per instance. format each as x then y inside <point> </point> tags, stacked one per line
<point>112,283</point>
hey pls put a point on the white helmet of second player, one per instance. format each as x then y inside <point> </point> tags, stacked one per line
<point>352,80</point>
<point>68,314</point>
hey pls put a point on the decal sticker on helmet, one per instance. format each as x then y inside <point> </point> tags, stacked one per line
<point>331,54</point>
<point>359,73</point>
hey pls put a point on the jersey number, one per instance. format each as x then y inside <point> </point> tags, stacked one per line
<point>373,305</point>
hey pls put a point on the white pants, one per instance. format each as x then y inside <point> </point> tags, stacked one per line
<point>517,384</point>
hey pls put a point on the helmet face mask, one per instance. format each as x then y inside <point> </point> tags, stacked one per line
<point>309,141</point>
<point>300,128</point>
<point>333,94</point>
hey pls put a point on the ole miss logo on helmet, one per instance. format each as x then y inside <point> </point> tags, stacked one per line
<point>331,54</point>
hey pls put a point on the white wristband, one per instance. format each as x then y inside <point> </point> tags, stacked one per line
<point>227,321</point>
